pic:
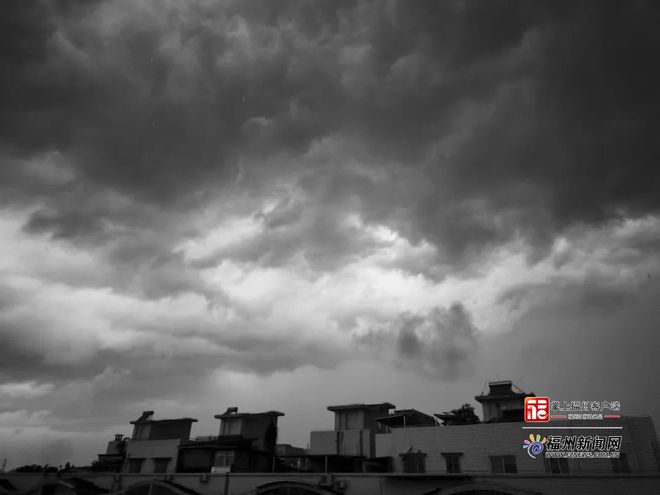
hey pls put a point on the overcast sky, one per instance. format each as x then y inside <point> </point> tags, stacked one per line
<point>287,205</point>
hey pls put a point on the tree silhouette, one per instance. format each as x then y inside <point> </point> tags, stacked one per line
<point>464,415</point>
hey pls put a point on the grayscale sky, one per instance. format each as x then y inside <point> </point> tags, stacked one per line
<point>285,205</point>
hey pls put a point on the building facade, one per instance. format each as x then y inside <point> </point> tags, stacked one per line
<point>246,442</point>
<point>353,435</point>
<point>498,448</point>
<point>154,445</point>
<point>373,449</point>
<point>502,403</point>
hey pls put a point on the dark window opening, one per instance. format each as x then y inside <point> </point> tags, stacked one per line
<point>556,466</point>
<point>503,464</point>
<point>224,458</point>
<point>453,461</point>
<point>135,465</point>
<point>620,464</point>
<point>160,464</point>
<point>414,462</point>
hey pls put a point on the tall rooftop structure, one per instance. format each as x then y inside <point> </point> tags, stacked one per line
<point>359,416</point>
<point>403,418</point>
<point>153,447</point>
<point>246,442</point>
<point>261,427</point>
<point>147,428</point>
<point>502,404</point>
<point>354,434</point>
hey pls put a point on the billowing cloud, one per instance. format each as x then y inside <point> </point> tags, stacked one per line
<point>200,198</point>
<point>441,343</point>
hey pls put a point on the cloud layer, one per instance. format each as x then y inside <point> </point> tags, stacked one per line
<point>199,199</point>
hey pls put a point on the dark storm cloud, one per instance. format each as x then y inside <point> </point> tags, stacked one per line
<point>474,121</point>
<point>314,222</point>
<point>129,131</point>
<point>160,106</point>
<point>441,343</point>
<point>567,105</point>
<point>127,109</point>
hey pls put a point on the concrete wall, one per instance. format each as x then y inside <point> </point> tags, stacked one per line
<point>349,419</point>
<point>343,442</point>
<point>359,419</point>
<point>256,427</point>
<point>150,449</point>
<point>383,443</point>
<point>370,419</point>
<point>115,447</point>
<point>378,484</point>
<point>642,435</point>
<point>170,430</point>
<point>478,442</point>
<point>323,442</point>
<point>141,431</point>
<point>162,431</point>
<point>495,409</point>
<point>196,460</point>
<point>355,442</point>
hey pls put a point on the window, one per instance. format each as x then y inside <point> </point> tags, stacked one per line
<point>556,466</point>
<point>231,426</point>
<point>160,464</point>
<point>453,461</point>
<point>503,464</point>
<point>620,465</point>
<point>414,462</point>
<point>224,458</point>
<point>135,465</point>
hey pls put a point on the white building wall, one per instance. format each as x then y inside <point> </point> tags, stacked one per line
<point>478,442</point>
<point>323,442</point>
<point>150,449</point>
<point>344,442</point>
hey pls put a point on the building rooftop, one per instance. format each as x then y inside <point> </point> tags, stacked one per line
<point>232,412</point>
<point>501,390</point>
<point>407,417</point>
<point>213,442</point>
<point>147,417</point>
<point>369,407</point>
